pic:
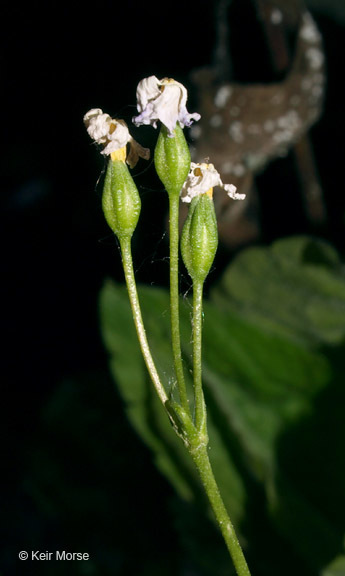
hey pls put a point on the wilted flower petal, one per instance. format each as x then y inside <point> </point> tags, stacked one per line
<point>136,151</point>
<point>165,101</point>
<point>113,135</point>
<point>201,179</point>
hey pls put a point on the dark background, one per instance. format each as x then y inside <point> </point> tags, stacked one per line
<point>72,466</point>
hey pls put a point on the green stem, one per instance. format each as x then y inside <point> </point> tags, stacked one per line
<point>198,448</point>
<point>127,262</point>
<point>200,416</point>
<point>174,298</point>
<point>202,462</point>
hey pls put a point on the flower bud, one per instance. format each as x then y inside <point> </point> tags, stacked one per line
<point>172,159</point>
<point>199,239</point>
<point>121,201</point>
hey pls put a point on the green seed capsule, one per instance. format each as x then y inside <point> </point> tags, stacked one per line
<point>121,201</point>
<point>172,159</point>
<point>199,239</point>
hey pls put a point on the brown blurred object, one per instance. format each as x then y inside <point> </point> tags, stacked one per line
<point>245,126</point>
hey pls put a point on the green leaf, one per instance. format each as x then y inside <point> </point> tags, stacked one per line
<point>335,568</point>
<point>297,286</point>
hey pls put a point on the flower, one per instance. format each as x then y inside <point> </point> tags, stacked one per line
<point>164,100</point>
<point>201,180</point>
<point>114,136</point>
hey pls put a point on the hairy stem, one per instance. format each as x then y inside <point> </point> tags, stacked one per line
<point>197,352</point>
<point>202,462</point>
<point>198,448</point>
<point>127,262</point>
<point>174,298</point>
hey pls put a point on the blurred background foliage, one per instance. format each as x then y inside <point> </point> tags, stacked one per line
<point>82,473</point>
<point>274,384</point>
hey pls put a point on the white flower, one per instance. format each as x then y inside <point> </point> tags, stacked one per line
<point>113,135</point>
<point>201,179</point>
<point>165,101</point>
